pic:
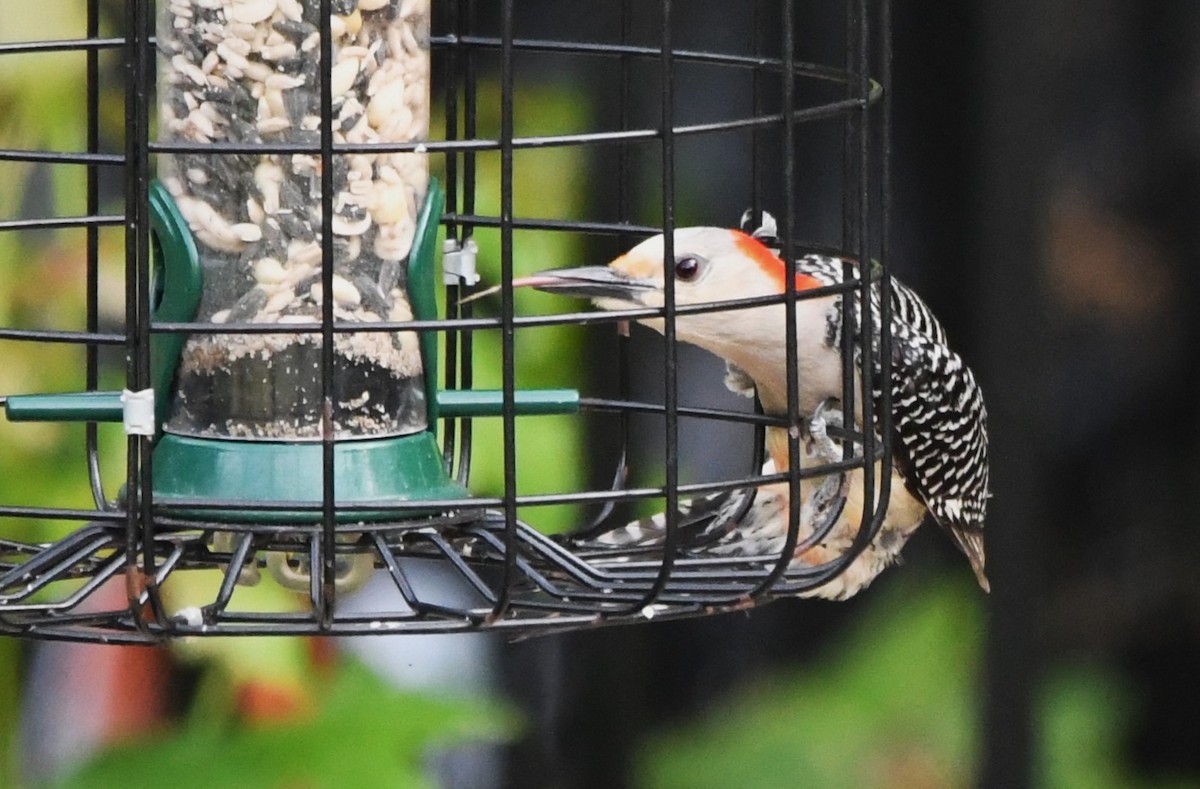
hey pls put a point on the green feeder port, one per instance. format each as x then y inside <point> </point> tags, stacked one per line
<point>192,469</point>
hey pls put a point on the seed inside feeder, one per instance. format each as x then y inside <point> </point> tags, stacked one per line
<point>248,71</point>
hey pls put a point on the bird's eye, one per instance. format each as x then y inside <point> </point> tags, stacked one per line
<point>686,268</point>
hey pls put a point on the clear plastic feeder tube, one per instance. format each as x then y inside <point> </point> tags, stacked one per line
<point>249,71</point>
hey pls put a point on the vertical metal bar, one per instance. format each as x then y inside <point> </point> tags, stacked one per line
<point>850,211</point>
<point>790,340</point>
<point>758,448</point>
<point>316,580</point>
<point>756,101</point>
<point>324,609</point>
<point>671,378</point>
<point>470,116</point>
<point>131,70</point>
<point>453,309</point>
<point>623,163</point>
<point>470,132</point>
<point>145,94</point>
<point>451,110</point>
<point>92,361</point>
<point>507,309</point>
<point>671,372</point>
<point>624,214</point>
<point>139,530</point>
<point>884,401</point>
<point>866,328</point>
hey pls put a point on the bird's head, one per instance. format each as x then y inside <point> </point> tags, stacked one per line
<point>709,264</point>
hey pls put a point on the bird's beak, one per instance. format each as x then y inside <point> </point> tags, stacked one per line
<point>590,282</point>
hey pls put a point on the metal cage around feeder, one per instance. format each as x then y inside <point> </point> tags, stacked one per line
<point>287,374</point>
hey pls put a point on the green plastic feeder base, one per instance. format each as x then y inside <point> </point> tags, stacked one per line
<point>381,471</point>
<point>372,471</point>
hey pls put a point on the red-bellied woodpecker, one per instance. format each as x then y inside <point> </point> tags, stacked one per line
<point>938,416</point>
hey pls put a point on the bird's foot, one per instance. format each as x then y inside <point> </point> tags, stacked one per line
<point>822,445</point>
<point>738,380</point>
<point>767,231</point>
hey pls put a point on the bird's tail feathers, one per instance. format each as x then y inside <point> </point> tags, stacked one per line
<point>969,539</point>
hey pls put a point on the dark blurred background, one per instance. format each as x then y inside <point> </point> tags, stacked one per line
<point>1045,204</point>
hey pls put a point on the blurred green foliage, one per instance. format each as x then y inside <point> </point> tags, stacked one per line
<point>1083,713</point>
<point>363,734</point>
<point>893,704</point>
<point>42,276</point>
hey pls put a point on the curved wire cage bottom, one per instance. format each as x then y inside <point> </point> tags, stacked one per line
<point>64,590</point>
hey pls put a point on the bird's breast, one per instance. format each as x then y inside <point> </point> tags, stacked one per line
<point>756,341</point>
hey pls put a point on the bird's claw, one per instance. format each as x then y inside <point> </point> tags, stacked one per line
<point>825,415</point>
<point>767,231</point>
<point>738,380</point>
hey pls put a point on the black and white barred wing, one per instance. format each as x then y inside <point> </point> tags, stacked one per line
<point>911,310</point>
<point>940,427</point>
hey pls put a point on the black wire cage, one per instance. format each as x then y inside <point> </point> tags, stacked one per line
<point>276,151</point>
